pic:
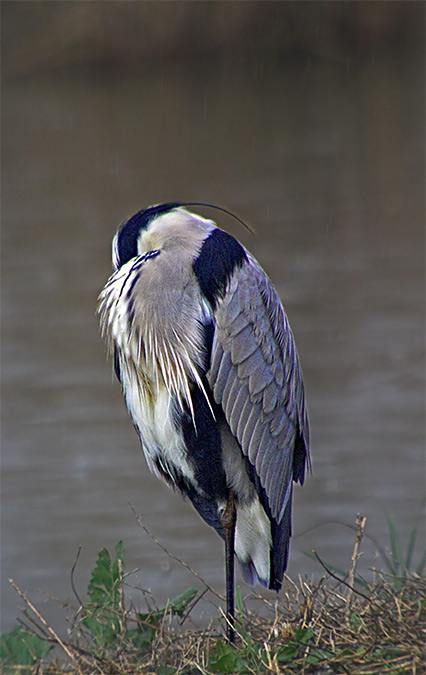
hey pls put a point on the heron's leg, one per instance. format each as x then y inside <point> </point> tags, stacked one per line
<point>228,520</point>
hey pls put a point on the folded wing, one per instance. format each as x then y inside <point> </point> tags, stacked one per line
<point>256,378</point>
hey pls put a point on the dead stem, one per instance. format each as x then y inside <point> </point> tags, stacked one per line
<point>360,526</point>
<point>43,621</point>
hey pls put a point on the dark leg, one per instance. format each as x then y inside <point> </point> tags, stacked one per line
<point>228,523</point>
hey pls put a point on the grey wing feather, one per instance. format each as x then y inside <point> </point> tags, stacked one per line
<point>224,367</point>
<point>256,378</point>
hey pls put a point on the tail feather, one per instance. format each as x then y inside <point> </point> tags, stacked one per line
<point>250,574</point>
<point>253,542</point>
<point>281,533</point>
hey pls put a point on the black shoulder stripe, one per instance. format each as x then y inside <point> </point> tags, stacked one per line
<point>220,255</point>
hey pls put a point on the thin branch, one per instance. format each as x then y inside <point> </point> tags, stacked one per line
<point>192,605</point>
<point>334,576</point>
<point>73,568</point>
<point>174,557</point>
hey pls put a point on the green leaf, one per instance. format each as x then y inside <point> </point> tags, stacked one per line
<point>395,547</point>
<point>227,659</point>
<point>104,586</point>
<point>103,611</point>
<point>176,606</point>
<point>318,656</point>
<point>291,649</point>
<point>181,602</point>
<point>303,634</point>
<point>21,648</point>
<point>411,546</point>
<point>355,620</point>
<point>421,565</point>
<point>288,652</point>
<point>224,664</point>
<point>239,602</point>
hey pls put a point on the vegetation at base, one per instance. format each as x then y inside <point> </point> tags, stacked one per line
<point>313,628</point>
<point>105,615</point>
<point>19,649</point>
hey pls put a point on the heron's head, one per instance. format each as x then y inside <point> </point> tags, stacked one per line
<point>126,243</point>
<point>157,227</point>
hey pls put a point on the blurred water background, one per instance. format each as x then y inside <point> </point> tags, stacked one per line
<point>306,119</point>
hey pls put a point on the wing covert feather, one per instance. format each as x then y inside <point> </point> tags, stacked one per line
<point>246,424</point>
<point>225,366</point>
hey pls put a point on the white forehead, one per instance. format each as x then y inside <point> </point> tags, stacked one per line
<point>176,228</point>
<point>181,220</point>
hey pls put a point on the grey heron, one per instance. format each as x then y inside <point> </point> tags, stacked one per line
<point>210,374</point>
